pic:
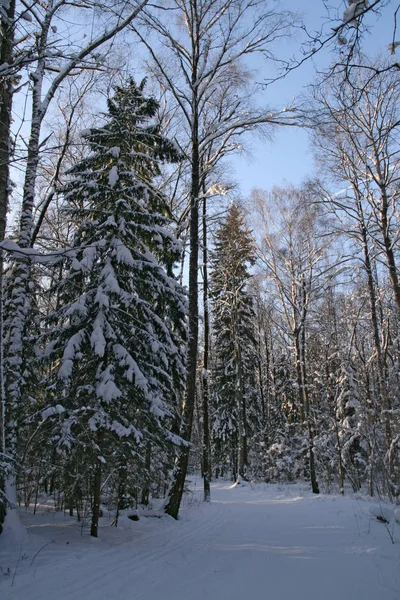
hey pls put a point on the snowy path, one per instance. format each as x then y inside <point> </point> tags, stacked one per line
<point>268,542</point>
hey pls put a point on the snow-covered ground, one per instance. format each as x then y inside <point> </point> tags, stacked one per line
<point>251,542</point>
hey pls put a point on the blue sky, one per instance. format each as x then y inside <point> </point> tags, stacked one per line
<point>289,157</point>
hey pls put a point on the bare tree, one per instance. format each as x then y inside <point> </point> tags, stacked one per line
<point>344,31</point>
<point>357,129</point>
<point>292,251</point>
<point>200,54</point>
<point>356,139</point>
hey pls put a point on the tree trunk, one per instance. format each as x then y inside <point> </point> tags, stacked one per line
<point>17,304</point>
<point>307,410</point>
<point>206,422</point>
<point>385,229</point>
<point>96,500</point>
<point>146,488</point>
<point>242,410</point>
<point>304,402</point>
<point>340,461</point>
<point>382,391</point>
<point>6,96</point>
<point>178,482</point>
<point>6,91</point>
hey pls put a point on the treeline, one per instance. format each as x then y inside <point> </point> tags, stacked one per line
<point>313,383</point>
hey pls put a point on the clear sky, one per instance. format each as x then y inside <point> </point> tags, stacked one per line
<point>289,156</point>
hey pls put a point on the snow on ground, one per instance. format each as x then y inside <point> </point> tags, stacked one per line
<point>261,542</point>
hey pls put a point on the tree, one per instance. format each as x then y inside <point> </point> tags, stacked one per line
<point>344,31</point>
<point>361,120</point>
<point>356,139</point>
<point>234,339</point>
<point>292,255</point>
<point>45,51</point>
<point>117,343</point>
<point>200,58</point>
<point>7,15</point>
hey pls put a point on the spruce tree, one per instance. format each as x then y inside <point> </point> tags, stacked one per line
<point>234,342</point>
<point>117,346</point>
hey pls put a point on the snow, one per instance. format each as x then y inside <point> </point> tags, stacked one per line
<point>102,299</point>
<point>123,254</point>
<point>125,359</point>
<point>155,347</point>
<point>113,176</point>
<point>354,10</point>
<point>52,410</point>
<point>85,133</point>
<point>258,542</point>
<point>106,388</point>
<point>123,431</point>
<point>110,280</point>
<point>72,348</point>
<point>115,151</point>
<point>32,253</point>
<point>13,533</point>
<point>392,47</point>
<point>75,264</point>
<point>13,530</point>
<point>97,339</point>
<point>89,256</point>
<point>78,307</point>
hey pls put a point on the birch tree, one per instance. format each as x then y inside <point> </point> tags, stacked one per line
<point>201,53</point>
<point>293,257</point>
<point>345,30</point>
<point>356,141</point>
<point>362,120</point>
<point>40,52</point>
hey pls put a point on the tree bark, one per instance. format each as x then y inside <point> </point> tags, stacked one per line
<point>382,390</point>
<point>306,404</point>
<point>96,500</point>
<point>178,482</point>
<point>6,96</point>
<point>206,417</point>
<point>300,349</point>
<point>146,487</point>
<point>388,244</point>
<point>242,412</point>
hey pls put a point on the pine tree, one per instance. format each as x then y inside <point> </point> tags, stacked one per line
<point>119,333</point>
<point>233,324</point>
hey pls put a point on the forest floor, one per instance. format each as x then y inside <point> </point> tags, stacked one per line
<point>252,541</point>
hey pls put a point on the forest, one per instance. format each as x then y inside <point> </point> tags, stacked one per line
<point>155,321</point>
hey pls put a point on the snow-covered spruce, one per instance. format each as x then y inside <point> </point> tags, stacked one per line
<point>235,399</point>
<point>117,342</point>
